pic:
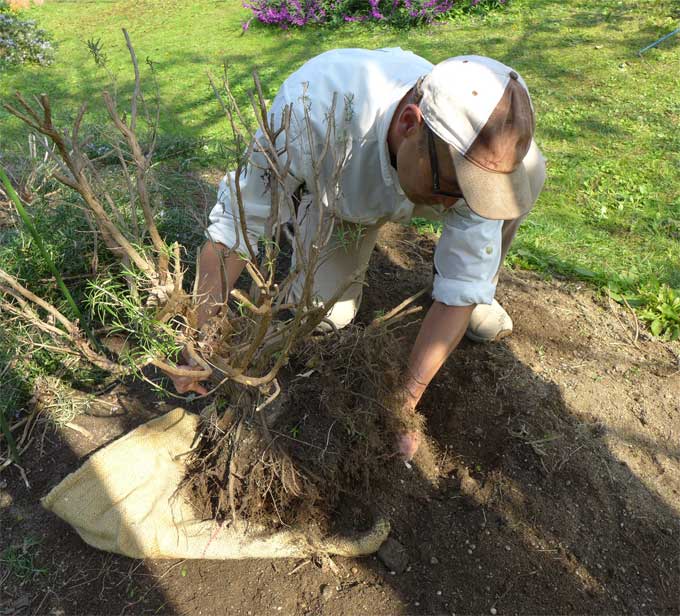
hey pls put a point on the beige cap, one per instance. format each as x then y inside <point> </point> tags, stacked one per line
<point>482,109</point>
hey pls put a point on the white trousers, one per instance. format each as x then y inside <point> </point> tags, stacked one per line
<point>349,250</point>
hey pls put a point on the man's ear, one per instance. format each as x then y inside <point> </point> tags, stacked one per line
<point>410,120</point>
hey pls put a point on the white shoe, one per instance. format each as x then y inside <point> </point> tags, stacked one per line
<point>489,323</point>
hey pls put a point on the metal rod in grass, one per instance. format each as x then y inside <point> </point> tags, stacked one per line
<point>659,41</point>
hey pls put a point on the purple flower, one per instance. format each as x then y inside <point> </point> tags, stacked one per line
<point>287,13</point>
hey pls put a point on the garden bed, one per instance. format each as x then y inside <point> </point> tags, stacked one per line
<point>552,484</point>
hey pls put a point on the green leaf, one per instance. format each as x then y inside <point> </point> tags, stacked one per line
<point>670,312</point>
<point>656,327</point>
<point>585,273</point>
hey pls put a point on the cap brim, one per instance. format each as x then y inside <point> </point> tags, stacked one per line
<point>497,196</point>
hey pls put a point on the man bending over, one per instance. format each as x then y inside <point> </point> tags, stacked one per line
<point>451,142</point>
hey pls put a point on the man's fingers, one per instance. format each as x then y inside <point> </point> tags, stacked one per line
<point>198,388</point>
<point>408,444</point>
<point>185,384</point>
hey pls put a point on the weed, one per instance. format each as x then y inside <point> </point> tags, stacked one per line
<point>662,312</point>
<point>349,235</point>
<point>423,225</point>
<point>19,560</point>
<point>114,306</point>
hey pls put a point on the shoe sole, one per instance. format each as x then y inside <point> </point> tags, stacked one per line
<point>504,333</point>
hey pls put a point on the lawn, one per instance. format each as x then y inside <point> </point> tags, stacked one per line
<point>607,118</point>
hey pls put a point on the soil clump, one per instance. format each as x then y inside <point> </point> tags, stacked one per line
<point>316,457</point>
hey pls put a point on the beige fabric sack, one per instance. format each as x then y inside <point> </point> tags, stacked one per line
<point>123,500</point>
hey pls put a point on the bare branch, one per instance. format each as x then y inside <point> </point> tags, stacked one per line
<point>135,93</point>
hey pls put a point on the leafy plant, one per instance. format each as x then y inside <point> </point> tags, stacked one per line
<point>19,560</point>
<point>662,312</point>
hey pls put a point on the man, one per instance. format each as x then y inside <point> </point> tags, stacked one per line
<point>452,142</point>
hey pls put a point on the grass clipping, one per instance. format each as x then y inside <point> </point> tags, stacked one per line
<point>315,456</point>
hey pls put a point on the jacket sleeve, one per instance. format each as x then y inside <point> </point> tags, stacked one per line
<point>225,225</point>
<point>224,220</point>
<point>467,258</point>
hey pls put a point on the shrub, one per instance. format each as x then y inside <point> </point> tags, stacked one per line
<point>21,41</point>
<point>287,13</point>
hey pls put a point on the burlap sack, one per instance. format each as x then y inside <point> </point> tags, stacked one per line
<point>123,500</point>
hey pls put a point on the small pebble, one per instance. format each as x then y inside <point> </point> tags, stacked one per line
<point>469,551</point>
<point>493,611</point>
<point>393,555</point>
<point>507,548</point>
<point>326,592</point>
<point>439,593</point>
<point>408,568</point>
<point>393,573</point>
<point>354,570</point>
<point>434,560</point>
<point>417,604</point>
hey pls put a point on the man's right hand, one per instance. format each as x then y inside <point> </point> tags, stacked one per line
<point>185,384</point>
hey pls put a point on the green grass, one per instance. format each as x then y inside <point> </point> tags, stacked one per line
<point>19,560</point>
<point>607,119</point>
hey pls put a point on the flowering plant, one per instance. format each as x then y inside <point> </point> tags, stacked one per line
<point>21,41</point>
<point>403,13</point>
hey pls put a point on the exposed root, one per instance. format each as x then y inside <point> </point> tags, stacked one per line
<point>323,440</point>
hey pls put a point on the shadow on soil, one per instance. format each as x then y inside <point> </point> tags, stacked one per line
<point>65,575</point>
<point>531,511</point>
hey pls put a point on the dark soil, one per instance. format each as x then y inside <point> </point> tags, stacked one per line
<point>551,482</point>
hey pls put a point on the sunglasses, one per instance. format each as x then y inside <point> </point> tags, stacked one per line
<point>434,164</point>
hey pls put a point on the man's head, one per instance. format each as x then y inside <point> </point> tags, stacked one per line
<point>465,129</point>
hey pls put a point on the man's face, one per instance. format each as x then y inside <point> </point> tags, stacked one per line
<point>425,169</point>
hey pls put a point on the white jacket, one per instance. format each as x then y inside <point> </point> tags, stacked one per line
<point>369,86</point>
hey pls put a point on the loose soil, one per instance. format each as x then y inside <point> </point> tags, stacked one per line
<point>550,482</point>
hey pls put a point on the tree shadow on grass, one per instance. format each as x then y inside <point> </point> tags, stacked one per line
<point>191,115</point>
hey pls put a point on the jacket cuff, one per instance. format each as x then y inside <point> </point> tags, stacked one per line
<point>462,293</point>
